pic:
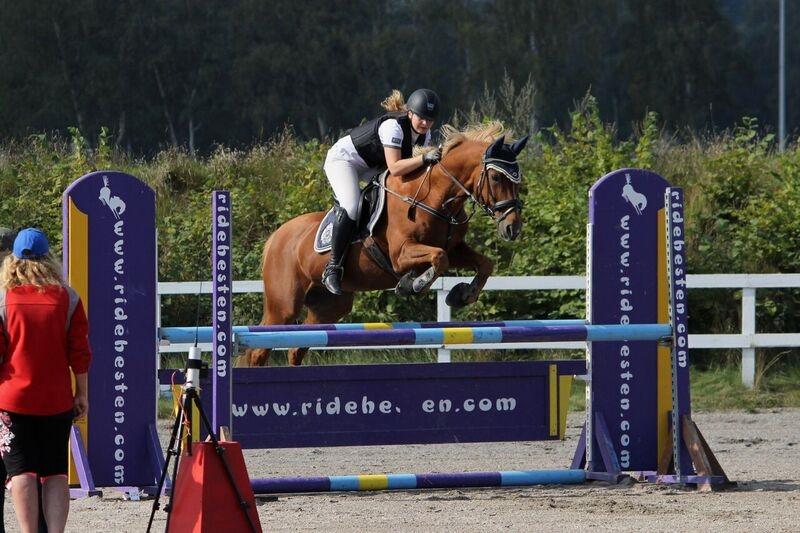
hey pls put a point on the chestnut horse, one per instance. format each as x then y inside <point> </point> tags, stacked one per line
<point>421,230</point>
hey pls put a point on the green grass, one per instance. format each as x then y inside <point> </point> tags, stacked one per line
<point>164,407</point>
<point>359,357</point>
<point>721,389</point>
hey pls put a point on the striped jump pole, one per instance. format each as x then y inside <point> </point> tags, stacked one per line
<point>181,335</point>
<point>435,480</point>
<point>477,335</point>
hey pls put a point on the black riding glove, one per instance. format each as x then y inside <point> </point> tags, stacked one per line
<point>432,157</point>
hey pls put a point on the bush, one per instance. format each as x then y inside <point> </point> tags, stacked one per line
<point>742,205</point>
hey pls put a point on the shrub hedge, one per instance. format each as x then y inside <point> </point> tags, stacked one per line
<point>743,198</point>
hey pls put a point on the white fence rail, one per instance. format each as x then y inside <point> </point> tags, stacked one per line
<point>748,340</point>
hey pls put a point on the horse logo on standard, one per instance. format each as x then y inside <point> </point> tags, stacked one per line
<point>115,203</point>
<point>636,199</point>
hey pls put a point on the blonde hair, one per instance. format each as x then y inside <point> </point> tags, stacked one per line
<point>394,102</point>
<point>39,272</point>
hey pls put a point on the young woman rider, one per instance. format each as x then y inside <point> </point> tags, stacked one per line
<point>385,142</point>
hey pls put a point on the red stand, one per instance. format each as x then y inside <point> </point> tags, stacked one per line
<point>204,499</point>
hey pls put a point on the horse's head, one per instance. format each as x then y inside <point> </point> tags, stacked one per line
<point>497,186</point>
<point>485,170</point>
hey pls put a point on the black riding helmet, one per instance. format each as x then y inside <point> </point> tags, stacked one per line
<point>425,103</point>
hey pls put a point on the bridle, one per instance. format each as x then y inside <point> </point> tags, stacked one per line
<point>509,169</point>
<point>506,207</point>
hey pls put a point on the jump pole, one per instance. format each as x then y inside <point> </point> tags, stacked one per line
<point>188,334</point>
<point>433,480</point>
<point>449,335</point>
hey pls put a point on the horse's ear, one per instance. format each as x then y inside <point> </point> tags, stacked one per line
<point>496,146</point>
<point>518,146</point>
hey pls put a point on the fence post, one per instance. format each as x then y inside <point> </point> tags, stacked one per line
<point>158,325</point>
<point>749,329</point>
<point>442,315</point>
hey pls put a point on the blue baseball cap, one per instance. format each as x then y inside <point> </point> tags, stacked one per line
<point>31,243</point>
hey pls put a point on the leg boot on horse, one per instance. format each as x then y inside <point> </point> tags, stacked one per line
<point>343,229</point>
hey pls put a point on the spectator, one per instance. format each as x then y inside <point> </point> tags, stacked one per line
<point>43,334</point>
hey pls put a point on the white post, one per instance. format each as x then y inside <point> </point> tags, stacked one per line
<point>782,77</point>
<point>749,330</point>
<point>442,315</point>
<point>158,325</point>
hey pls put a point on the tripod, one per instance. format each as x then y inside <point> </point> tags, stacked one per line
<point>190,399</point>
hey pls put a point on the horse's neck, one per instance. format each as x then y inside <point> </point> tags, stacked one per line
<point>433,188</point>
<point>456,184</point>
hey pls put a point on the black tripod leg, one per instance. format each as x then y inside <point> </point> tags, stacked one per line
<point>176,434</point>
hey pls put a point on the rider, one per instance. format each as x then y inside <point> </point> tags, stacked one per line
<point>384,142</point>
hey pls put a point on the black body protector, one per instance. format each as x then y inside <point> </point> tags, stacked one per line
<point>368,143</point>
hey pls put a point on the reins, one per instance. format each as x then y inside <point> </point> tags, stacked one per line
<point>414,203</point>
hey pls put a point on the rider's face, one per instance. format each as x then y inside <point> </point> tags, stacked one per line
<point>420,125</point>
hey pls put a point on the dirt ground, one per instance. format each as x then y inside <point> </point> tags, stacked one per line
<point>761,451</point>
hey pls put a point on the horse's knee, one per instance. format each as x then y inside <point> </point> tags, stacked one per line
<point>258,357</point>
<point>440,262</point>
<point>295,356</point>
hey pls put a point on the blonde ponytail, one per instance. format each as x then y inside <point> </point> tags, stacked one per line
<point>394,102</point>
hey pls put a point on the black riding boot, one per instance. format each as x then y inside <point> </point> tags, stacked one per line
<point>343,229</point>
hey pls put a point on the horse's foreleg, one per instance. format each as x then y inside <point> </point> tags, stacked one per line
<point>277,311</point>
<point>414,257</point>
<point>462,256</point>
<point>323,308</point>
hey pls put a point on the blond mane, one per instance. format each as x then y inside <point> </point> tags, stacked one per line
<point>484,132</point>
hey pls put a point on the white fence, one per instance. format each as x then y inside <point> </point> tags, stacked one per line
<point>748,340</point>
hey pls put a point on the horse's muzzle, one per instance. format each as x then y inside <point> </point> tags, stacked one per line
<point>509,228</point>
<point>507,214</point>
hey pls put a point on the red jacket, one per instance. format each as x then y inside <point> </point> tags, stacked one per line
<point>43,333</point>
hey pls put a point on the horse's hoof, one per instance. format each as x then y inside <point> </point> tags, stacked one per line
<point>460,295</point>
<point>405,287</point>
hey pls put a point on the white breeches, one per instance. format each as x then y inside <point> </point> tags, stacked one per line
<point>343,177</point>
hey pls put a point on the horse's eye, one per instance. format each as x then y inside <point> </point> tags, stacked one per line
<point>495,178</point>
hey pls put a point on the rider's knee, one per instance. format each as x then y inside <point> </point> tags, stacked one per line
<point>351,208</point>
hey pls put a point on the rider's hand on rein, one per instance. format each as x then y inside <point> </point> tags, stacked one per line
<point>429,158</point>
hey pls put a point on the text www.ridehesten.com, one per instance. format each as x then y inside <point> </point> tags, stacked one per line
<point>365,406</point>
